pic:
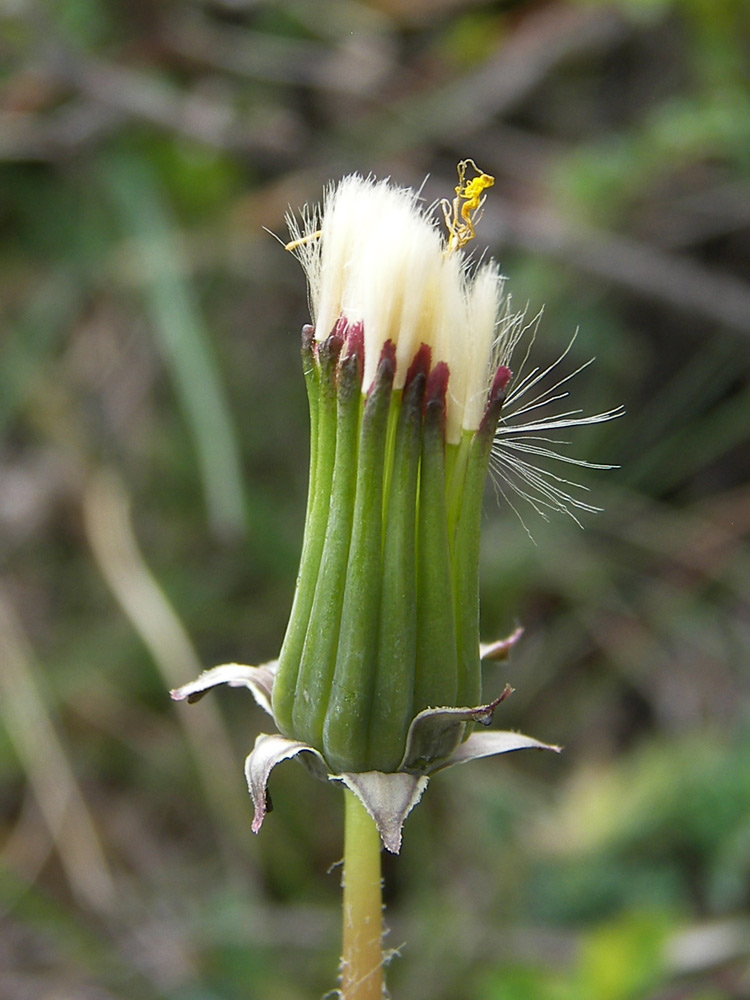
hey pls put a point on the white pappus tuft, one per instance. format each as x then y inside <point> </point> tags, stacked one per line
<point>533,414</point>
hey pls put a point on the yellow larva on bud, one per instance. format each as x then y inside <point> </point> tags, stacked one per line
<point>462,216</point>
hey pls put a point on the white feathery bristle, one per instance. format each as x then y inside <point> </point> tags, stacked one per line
<point>530,441</point>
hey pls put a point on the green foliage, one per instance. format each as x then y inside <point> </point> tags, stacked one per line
<point>622,960</point>
<point>665,826</point>
<point>608,179</point>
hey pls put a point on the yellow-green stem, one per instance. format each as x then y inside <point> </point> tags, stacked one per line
<point>362,961</point>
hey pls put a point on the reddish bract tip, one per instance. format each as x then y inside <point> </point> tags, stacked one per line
<point>500,382</point>
<point>386,369</point>
<point>496,399</point>
<point>388,355</point>
<point>335,340</point>
<point>354,340</point>
<point>340,328</point>
<point>437,384</point>
<point>420,365</point>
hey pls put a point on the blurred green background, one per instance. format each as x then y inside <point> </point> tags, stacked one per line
<point>153,475</point>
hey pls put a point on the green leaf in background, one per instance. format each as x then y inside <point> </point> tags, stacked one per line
<point>163,273</point>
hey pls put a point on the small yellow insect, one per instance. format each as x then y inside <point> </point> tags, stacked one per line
<point>462,216</point>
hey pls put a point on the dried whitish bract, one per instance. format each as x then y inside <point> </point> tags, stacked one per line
<point>389,798</point>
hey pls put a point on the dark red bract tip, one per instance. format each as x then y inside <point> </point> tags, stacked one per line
<point>500,382</point>
<point>340,328</point>
<point>496,399</point>
<point>335,339</point>
<point>354,341</point>
<point>387,364</point>
<point>388,355</point>
<point>437,384</point>
<point>386,369</point>
<point>420,365</point>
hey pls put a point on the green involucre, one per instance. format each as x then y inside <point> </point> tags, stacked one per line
<point>393,698</point>
<point>435,667</point>
<point>345,731</point>
<point>320,370</point>
<point>385,621</point>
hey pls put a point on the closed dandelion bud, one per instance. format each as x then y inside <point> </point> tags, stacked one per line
<point>378,682</point>
<point>406,389</point>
